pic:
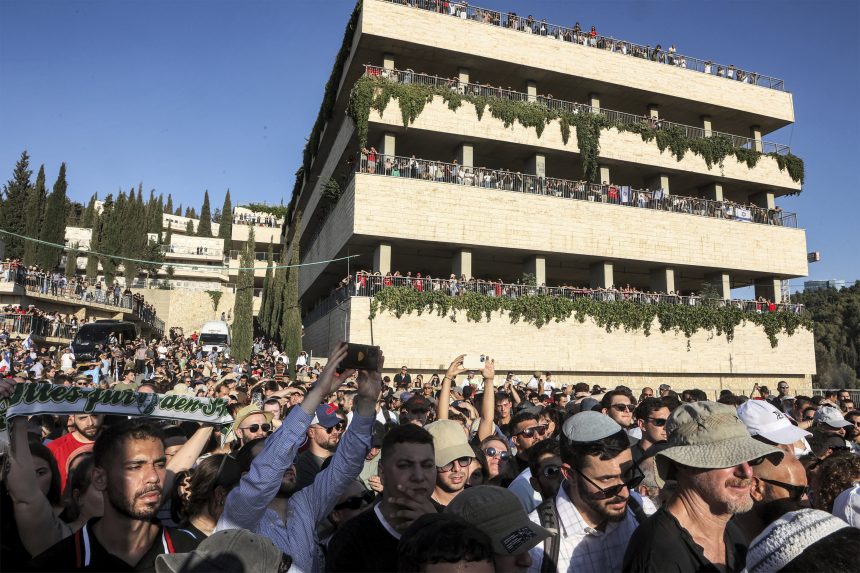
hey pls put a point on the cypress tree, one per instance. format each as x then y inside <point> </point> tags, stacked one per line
<point>74,212</point>
<point>54,225</point>
<point>188,212</point>
<point>72,261</point>
<point>12,214</point>
<point>156,218</point>
<point>266,302</point>
<point>204,228</point>
<point>243,308</point>
<point>225,227</point>
<point>89,217</point>
<point>168,208</point>
<point>36,198</point>
<point>291,323</point>
<point>277,304</point>
<point>189,227</point>
<point>134,239</point>
<point>178,212</point>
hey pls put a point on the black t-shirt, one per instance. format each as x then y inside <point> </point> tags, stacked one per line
<point>362,544</point>
<point>83,552</point>
<point>660,543</point>
<point>307,467</point>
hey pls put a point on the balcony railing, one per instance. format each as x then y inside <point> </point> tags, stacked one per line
<point>616,117</point>
<point>37,325</point>
<point>592,39</point>
<point>372,284</point>
<point>202,251</point>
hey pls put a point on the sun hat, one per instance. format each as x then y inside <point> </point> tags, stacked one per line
<point>248,411</point>
<point>787,537</point>
<point>707,435</point>
<point>846,506</point>
<point>831,416</point>
<point>228,550</point>
<point>499,513</point>
<point>449,441</point>
<point>763,419</point>
<point>326,416</point>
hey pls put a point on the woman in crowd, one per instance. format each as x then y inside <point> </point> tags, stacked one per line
<point>199,494</point>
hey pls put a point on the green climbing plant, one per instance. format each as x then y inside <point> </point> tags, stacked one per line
<point>540,310</point>
<point>215,295</point>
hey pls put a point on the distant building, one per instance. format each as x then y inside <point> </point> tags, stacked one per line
<point>809,286</point>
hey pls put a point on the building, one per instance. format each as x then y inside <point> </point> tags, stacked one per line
<point>465,142</point>
<point>809,286</point>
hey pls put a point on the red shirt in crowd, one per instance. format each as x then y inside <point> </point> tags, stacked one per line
<point>66,449</point>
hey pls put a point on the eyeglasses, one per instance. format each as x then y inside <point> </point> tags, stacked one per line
<point>462,462</point>
<point>255,427</point>
<point>530,432</point>
<point>551,472</point>
<point>636,477</point>
<point>356,501</point>
<point>796,492</point>
<point>623,407</point>
<point>659,422</point>
<point>494,453</point>
<point>339,427</point>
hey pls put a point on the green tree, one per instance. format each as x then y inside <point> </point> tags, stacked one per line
<point>243,309</point>
<point>279,282</point>
<point>36,198</point>
<point>179,210</point>
<point>89,216</point>
<point>168,207</point>
<point>155,259</point>
<point>225,227</point>
<point>54,224</point>
<point>14,204</point>
<point>266,302</point>
<point>291,323</point>
<point>204,228</point>
<point>189,227</point>
<point>72,261</point>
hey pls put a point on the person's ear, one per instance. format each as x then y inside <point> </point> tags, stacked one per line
<point>535,483</point>
<point>99,479</point>
<point>757,489</point>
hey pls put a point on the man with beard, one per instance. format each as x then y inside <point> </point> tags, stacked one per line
<point>323,438</point>
<point>129,469</point>
<point>260,503</point>
<point>79,440</point>
<point>710,455</point>
<point>453,460</point>
<point>594,513</point>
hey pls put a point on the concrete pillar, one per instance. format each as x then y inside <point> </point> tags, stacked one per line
<point>764,199</point>
<point>663,280</point>
<point>382,258</point>
<point>706,125</point>
<point>602,275</point>
<point>721,282</point>
<point>388,61</point>
<point>713,191</point>
<point>531,90</point>
<point>462,263</point>
<point>755,135</point>
<point>388,144</point>
<point>536,265</point>
<point>660,181</point>
<point>604,174</point>
<point>770,288</point>
<point>464,76</point>
<point>466,155</point>
<point>653,111</point>
<point>594,100</point>
<point>537,165</point>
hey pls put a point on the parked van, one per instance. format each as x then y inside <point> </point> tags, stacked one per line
<point>215,336</point>
<point>92,335</point>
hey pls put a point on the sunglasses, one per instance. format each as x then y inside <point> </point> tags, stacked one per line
<point>796,492</point>
<point>623,407</point>
<point>356,501</point>
<point>659,422</point>
<point>530,432</point>
<point>462,462</point>
<point>551,472</point>
<point>494,453</point>
<point>255,427</point>
<point>636,477</point>
<point>339,427</point>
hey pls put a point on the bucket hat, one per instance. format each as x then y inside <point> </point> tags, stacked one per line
<point>707,435</point>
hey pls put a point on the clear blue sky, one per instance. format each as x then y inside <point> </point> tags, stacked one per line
<point>191,95</point>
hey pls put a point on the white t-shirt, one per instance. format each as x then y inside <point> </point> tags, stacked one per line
<point>67,361</point>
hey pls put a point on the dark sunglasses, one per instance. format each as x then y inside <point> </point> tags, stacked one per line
<point>623,407</point>
<point>462,462</point>
<point>659,422</point>
<point>530,432</point>
<point>339,427</point>
<point>551,472</point>
<point>493,453</point>
<point>636,477</point>
<point>254,427</point>
<point>796,492</point>
<point>356,501</point>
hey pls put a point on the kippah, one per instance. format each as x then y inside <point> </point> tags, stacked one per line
<point>589,427</point>
<point>787,537</point>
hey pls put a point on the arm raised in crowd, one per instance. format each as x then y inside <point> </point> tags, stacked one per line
<point>486,427</point>
<point>454,369</point>
<point>185,458</point>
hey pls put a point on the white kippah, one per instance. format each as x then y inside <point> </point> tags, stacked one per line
<point>788,537</point>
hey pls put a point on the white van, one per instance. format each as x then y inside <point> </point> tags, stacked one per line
<point>215,335</point>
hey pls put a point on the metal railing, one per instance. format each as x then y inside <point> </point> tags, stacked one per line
<point>616,117</point>
<point>258,255</point>
<point>623,195</point>
<point>369,284</point>
<point>37,325</point>
<point>203,251</point>
<point>591,38</point>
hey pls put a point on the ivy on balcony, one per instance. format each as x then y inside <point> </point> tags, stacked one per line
<point>540,310</point>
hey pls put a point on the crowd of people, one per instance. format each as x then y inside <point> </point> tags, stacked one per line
<point>32,320</point>
<point>332,469</point>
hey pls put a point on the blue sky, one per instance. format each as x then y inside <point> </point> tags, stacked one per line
<point>191,95</point>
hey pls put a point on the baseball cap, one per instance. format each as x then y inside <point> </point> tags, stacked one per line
<point>589,426</point>
<point>417,404</point>
<point>846,506</point>
<point>499,513</point>
<point>326,416</point>
<point>228,550</point>
<point>787,537</point>
<point>449,442</point>
<point>832,417</point>
<point>763,419</point>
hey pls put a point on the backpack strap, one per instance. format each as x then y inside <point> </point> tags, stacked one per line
<point>548,515</point>
<point>636,508</point>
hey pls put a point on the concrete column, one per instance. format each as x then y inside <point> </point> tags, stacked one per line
<point>653,111</point>
<point>713,191</point>
<point>388,144</point>
<point>721,282</point>
<point>770,288</point>
<point>531,90</point>
<point>388,61</point>
<point>594,100</point>
<point>755,135</point>
<point>537,165</point>
<point>466,155</point>
<point>706,125</point>
<point>663,280</point>
<point>462,263</point>
<point>660,181</point>
<point>536,265</point>
<point>602,275</point>
<point>604,174</point>
<point>382,258</point>
<point>464,76</point>
<point>764,199</point>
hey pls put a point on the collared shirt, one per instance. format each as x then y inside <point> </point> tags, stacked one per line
<point>522,487</point>
<point>581,548</point>
<point>295,533</point>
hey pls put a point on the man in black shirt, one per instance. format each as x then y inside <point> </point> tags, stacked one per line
<point>709,453</point>
<point>129,468</point>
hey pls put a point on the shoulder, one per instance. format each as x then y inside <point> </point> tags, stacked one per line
<point>183,540</point>
<point>60,556</point>
<point>657,536</point>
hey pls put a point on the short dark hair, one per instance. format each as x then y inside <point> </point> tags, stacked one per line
<point>647,407</point>
<point>523,416</point>
<point>441,538</point>
<point>541,449</point>
<point>404,434</point>
<point>575,453</point>
<point>606,401</point>
<point>112,439</point>
<point>828,554</point>
<point>672,401</point>
<point>695,394</point>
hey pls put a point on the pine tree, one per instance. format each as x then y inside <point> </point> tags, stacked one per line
<point>178,212</point>
<point>225,227</point>
<point>36,198</point>
<point>266,302</point>
<point>169,207</point>
<point>243,309</point>
<point>89,216</point>
<point>204,228</point>
<point>188,211</point>
<point>54,225</point>
<point>12,214</point>
<point>291,323</point>
<point>189,227</point>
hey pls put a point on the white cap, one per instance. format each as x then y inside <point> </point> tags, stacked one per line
<point>763,419</point>
<point>832,417</point>
<point>847,506</point>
